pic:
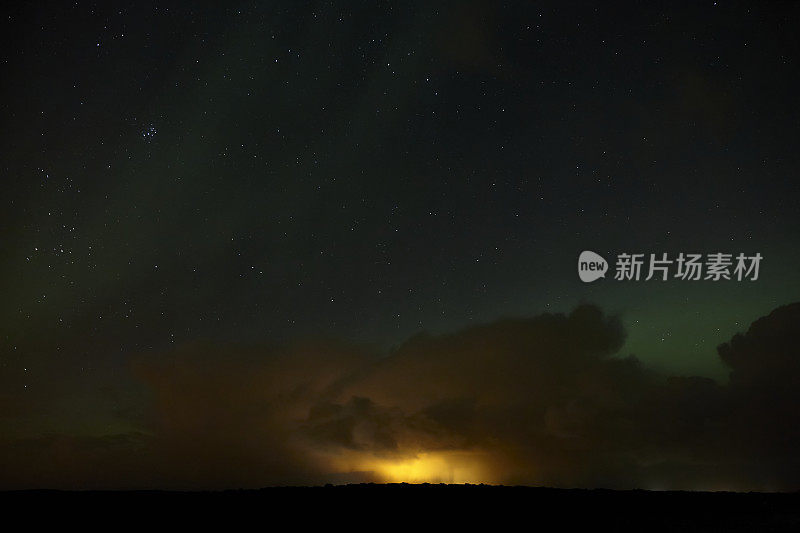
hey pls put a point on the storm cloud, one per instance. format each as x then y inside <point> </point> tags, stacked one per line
<point>547,400</point>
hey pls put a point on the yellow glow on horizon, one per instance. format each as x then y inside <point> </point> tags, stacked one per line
<point>428,467</point>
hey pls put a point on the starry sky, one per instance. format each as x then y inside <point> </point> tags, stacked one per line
<point>267,173</point>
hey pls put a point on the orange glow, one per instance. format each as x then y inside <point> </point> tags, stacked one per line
<point>425,467</point>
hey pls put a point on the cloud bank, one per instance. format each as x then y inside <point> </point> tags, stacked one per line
<point>546,400</point>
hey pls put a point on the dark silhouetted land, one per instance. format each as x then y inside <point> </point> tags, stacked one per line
<point>381,505</point>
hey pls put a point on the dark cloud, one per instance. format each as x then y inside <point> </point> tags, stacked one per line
<point>544,400</point>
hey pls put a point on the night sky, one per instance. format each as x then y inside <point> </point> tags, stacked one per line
<point>301,242</point>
